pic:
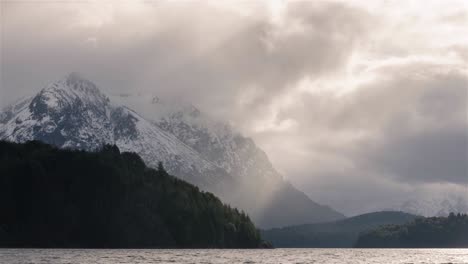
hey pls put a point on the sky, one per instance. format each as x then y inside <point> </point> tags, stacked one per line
<point>360,104</point>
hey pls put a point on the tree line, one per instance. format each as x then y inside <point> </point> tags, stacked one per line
<point>438,232</point>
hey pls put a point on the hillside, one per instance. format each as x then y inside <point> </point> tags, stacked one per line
<point>106,199</point>
<point>432,232</point>
<point>342,233</point>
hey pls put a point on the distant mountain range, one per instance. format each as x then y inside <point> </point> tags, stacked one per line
<point>436,205</point>
<point>341,233</point>
<point>74,113</point>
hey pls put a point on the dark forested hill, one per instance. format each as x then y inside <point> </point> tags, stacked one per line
<point>342,233</point>
<point>430,232</point>
<point>64,198</point>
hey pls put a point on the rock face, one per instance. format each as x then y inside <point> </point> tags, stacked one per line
<point>74,113</point>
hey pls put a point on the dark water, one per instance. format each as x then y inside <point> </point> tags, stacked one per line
<point>290,256</point>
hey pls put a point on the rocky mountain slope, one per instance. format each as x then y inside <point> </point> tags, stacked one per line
<point>74,113</point>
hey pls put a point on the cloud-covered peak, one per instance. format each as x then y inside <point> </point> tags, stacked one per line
<point>77,82</point>
<point>75,77</point>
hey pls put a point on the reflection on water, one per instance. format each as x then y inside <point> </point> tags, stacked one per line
<point>199,256</point>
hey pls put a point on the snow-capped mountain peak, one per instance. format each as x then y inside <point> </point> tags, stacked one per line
<point>70,90</point>
<point>73,113</point>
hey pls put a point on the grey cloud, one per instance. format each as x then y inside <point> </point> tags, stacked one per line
<point>425,137</point>
<point>406,128</point>
<point>433,156</point>
<point>170,58</point>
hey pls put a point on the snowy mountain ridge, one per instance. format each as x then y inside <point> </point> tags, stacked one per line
<point>214,140</point>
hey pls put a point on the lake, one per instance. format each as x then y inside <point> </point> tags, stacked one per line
<point>207,256</point>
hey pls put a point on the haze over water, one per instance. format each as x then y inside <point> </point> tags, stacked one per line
<point>234,256</point>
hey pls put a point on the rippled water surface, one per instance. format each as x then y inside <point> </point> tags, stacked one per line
<point>296,256</point>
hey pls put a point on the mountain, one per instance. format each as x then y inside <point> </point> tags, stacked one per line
<point>436,205</point>
<point>342,233</point>
<point>432,232</point>
<point>74,113</point>
<point>277,202</point>
<point>59,198</point>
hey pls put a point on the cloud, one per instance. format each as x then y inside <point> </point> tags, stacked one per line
<point>353,101</point>
<point>208,50</point>
<point>401,130</point>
